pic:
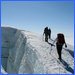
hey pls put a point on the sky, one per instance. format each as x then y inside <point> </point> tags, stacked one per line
<point>34,16</point>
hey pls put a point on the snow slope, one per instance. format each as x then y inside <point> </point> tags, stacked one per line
<point>24,52</point>
<point>3,71</point>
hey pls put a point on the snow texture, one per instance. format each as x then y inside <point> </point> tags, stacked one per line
<point>24,52</point>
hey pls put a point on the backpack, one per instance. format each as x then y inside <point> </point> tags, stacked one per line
<point>49,31</point>
<point>60,38</point>
<point>46,30</point>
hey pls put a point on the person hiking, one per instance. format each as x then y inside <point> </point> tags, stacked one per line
<point>46,34</point>
<point>49,33</point>
<point>60,41</point>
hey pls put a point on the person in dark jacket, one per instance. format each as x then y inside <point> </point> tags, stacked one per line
<point>49,33</point>
<point>60,41</point>
<point>46,34</point>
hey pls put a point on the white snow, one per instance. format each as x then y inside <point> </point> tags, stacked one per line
<point>24,52</point>
<point>3,71</point>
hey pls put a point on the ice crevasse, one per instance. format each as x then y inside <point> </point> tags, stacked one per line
<point>24,52</point>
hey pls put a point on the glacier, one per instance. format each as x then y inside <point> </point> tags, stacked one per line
<point>25,52</point>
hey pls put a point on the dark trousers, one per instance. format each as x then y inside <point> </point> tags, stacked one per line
<point>59,50</point>
<point>49,36</point>
<point>46,38</point>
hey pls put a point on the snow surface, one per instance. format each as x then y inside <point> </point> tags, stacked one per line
<point>24,52</point>
<point>3,71</point>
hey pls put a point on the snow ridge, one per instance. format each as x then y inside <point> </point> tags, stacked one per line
<point>24,52</point>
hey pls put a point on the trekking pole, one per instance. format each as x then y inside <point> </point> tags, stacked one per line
<point>51,50</point>
<point>43,38</point>
<point>51,46</point>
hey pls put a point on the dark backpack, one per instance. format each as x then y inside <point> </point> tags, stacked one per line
<point>46,30</point>
<point>60,38</point>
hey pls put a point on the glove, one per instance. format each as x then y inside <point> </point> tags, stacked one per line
<point>65,46</point>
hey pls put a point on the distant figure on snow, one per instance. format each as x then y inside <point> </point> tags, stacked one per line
<point>46,34</point>
<point>59,44</point>
<point>49,33</point>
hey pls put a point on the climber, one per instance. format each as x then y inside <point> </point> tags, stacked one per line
<point>49,33</point>
<point>60,41</point>
<point>46,34</point>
